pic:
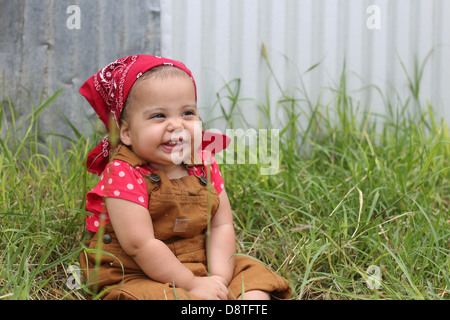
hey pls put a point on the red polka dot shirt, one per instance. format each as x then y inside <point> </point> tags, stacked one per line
<point>122,181</point>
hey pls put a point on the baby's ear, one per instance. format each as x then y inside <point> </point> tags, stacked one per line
<point>124,133</point>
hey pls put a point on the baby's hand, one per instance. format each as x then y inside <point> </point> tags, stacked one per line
<point>221,279</point>
<point>209,288</point>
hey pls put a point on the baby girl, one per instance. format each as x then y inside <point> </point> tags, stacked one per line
<point>161,216</point>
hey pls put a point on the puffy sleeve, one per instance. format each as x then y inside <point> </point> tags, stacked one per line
<point>118,180</point>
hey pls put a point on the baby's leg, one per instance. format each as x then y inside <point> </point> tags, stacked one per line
<point>255,295</point>
<point>256,281</point>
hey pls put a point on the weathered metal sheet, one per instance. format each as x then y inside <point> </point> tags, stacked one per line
<point>46,45</point>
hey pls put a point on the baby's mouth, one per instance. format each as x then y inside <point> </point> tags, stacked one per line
<point>174,145</point>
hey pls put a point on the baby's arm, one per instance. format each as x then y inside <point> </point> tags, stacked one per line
<point>221,245</point>
<point>134,229</point>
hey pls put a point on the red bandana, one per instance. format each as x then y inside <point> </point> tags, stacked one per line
<point>107,90</point>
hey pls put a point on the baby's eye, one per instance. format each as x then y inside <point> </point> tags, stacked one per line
<point>189,113</point>
<point>157,116</point>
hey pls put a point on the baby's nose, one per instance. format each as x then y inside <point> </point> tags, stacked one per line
<point>179,135</point>
<point>175,124</point>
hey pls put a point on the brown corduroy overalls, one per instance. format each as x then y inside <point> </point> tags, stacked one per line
<point>179,212</point>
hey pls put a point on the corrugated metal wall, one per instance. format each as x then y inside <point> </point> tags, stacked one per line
<point>39,52</point>
<point>222,39</point>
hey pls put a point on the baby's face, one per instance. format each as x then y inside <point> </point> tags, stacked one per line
<point>163,126</point>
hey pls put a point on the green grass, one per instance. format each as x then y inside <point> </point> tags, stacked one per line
<point>354,189</point>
